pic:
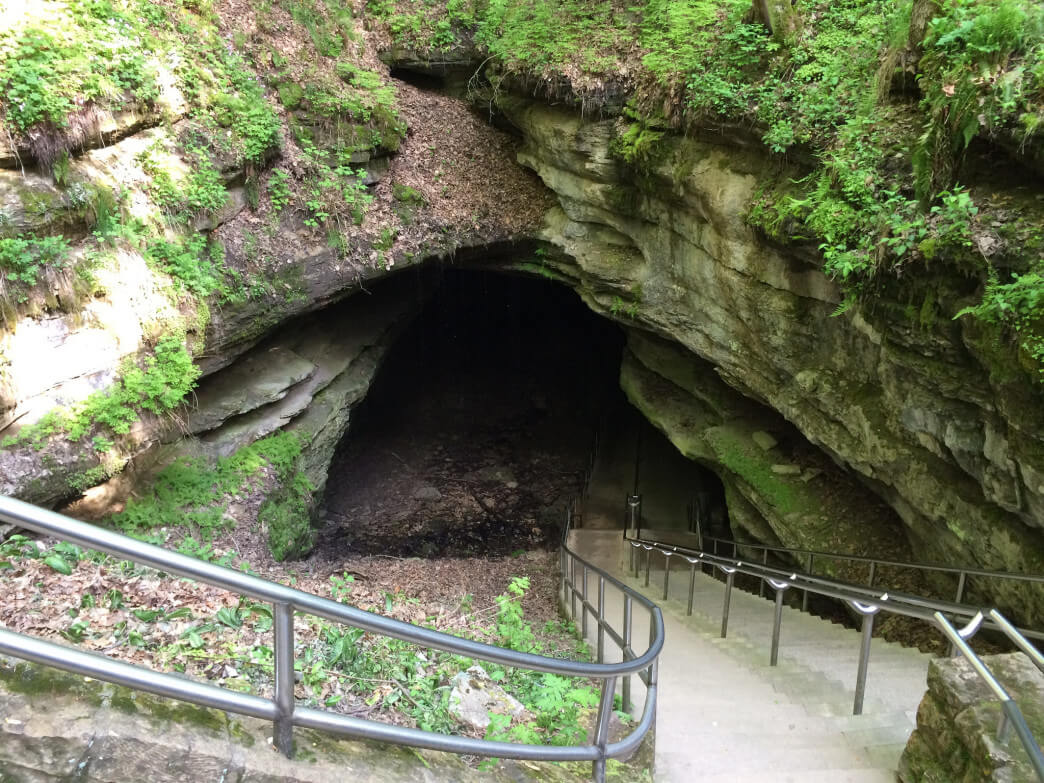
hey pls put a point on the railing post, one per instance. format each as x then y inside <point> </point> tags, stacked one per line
<point>725,607</point>
<point>864,662</point>
<point>283,628</point>
<point>601,739</point>
<point>626,654</point>
<point>572,587</point>
<point>804,593</point>
<point>583,608</point>
<point>1003,728</point>
<point>777,620</point>
<point>873,572</point>
<point>666,573</point>
<point>562,560</point>
<point>960,587</point>
<point>692,587</point>
<point>648,564</point>
<point>601,618</point>
<point>636,510</point>
<point>634,503</point>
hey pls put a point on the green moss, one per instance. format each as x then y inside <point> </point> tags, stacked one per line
<point>286,516</point>
<point>928,312</point>
<point>89,478</point>
<point>240,734</point>
<point>37,682</point>
<point>407,195</point>
<point>290,94</point>
<point>740,455</point>
<point>640,144</point>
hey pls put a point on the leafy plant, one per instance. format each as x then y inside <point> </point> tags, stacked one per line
<point>279,190</point>
<point>23,258</point>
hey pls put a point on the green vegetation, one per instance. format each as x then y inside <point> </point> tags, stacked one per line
<point>339,667</point>
<point>738,453</point>
<point>192,492</point>
<point>196,265</point>
<point>1017,305</point>
<point>43,70</point>
<point>22,260</point>
<point>73,57</point>
<point>156,384</point>
<point>879,101</point>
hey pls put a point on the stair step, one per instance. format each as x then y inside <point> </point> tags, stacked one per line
<point>725,714</point>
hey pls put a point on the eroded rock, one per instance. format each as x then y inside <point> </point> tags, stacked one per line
<point>475,696</point>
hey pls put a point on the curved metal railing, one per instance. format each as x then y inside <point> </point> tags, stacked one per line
<point>283,710</point>
<point>808,557</point>
<point>867,601</point>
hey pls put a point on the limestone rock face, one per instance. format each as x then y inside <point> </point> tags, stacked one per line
<point>956,734</point>
<point>917,411</point>
<point>99,732</point>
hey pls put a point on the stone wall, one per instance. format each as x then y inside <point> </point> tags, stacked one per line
<point>92,731</point>
<point>956,734</point>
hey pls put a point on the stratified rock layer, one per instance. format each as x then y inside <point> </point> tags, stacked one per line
<point>914,409</point>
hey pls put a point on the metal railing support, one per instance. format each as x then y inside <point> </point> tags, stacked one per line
<point>584,603</point>
<point>692,587</point>
<point>731,575</point>
<point>605,710</point>
<point>648,564</point>
<point>961,580</point>
<point>866,635</point>
<point>601,618</point>
<point>572,587</point>
<point>777,621</point>
<point>666,573</point>
<point>761,584</point>
<point>283,628</point>
<point>627,612</point>
<point>634,507</point>
<point>804,593</point>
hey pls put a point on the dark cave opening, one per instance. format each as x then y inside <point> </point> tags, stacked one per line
<point>477,430</point>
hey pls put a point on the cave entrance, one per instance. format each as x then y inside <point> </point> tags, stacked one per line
<point>681,499</point>
<point>478,429</point>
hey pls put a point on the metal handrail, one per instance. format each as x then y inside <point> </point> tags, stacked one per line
<point>1011,715</point>
<point>281,709</point>
<point>961,572</point>
<point>898,602</point>
<point>867,602</point>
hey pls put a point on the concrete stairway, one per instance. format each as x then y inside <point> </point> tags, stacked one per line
<point>726,715</point>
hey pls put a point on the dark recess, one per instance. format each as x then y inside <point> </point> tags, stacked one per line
<point>478,427</point>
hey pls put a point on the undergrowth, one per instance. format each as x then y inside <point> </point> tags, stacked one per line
<point>338,667</point>
<point>195,492</point>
